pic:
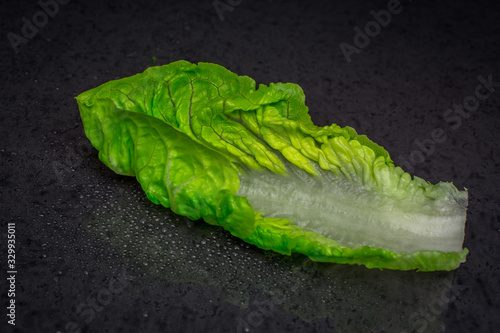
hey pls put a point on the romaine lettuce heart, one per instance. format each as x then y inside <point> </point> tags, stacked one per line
<point>206,143</point>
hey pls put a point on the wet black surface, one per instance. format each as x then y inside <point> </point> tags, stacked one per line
<point>94,255</point>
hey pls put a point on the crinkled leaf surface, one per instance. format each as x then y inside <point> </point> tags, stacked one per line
<point>206,143</point>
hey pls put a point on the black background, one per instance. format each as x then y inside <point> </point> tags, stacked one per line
<point>79,227</point>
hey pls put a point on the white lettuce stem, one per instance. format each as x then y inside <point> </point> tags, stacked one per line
<point>356,216</point>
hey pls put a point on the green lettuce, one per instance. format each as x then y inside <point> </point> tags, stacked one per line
<point>209,145</point>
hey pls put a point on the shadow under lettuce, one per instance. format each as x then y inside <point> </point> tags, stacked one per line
<point>154,240</point>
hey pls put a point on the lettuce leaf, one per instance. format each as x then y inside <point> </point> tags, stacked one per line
<point>209,145</point>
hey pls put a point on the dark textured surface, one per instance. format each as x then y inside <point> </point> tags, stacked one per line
<point>79,226</point>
